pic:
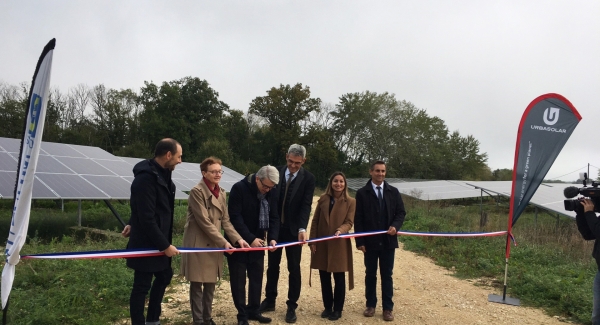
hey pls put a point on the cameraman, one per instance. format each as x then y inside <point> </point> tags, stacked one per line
<point>589,227</point>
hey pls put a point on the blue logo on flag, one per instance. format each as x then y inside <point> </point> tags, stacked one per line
<point>34,114</point>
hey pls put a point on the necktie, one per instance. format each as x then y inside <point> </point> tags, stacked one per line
<point>287,185</point>
<point>379,197</point>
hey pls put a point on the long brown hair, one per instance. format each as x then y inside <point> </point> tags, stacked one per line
<point>329,190</point>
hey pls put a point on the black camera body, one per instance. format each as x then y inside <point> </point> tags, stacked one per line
<point>593,193</point>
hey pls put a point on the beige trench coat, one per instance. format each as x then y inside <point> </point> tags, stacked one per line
<point>205,216</point>
<point>333,255</point>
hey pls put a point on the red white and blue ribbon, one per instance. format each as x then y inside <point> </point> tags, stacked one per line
<point>131,253</point>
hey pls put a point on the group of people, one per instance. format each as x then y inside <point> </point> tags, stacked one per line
<point>266,208</point>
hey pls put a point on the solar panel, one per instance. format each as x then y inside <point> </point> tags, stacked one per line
<point>59,149</point>
<point>118,167</point>
<point>92,152</point>
<point>49,164</point>
<point>7,184</point>
<point>7,187</point>
<point>10,145</point>
<point>437,190</point>
<point>186,174</point>
<point>548,196</point>
<point>84,166</point>
<point>184,184</point>
<point>7,162</point>
<point>114,186</point>
<point>72,187</point>
<point>357,183</point>
<point>80,172</point>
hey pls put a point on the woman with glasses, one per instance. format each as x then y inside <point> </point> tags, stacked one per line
<point>334,215</point>
<point>206,215</point>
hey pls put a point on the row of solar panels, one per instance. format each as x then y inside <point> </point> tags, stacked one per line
<point>66,171</point>
<point>549,196</point>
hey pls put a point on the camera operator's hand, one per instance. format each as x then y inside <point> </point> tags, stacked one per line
<point>588,205</point>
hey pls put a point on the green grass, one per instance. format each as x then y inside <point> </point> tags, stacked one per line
<point>550,268</point>
<point>88,291</point>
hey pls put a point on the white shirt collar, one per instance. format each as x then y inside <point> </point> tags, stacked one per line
<point>287,174</point>
<point>375,187</point>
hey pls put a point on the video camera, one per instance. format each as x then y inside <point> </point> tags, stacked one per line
<point>592,193</point>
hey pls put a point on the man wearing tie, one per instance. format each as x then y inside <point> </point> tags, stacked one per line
<point>379,207</point>
<point>295,203</point>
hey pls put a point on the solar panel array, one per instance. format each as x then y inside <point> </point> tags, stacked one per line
<point>356,183</point>
<point>548,196</point>
<point>66,171</point>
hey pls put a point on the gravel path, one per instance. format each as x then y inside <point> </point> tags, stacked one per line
<point>424,293</point>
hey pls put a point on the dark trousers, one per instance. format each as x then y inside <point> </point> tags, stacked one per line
<point>333,298</point>
<point>252,264</point>
<point>386,268</point>
<point>142,283</point>
<point>293,255</point>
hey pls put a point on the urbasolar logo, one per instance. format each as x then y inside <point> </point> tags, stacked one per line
<point>34,114</point>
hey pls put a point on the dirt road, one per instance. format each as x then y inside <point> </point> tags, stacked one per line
<point>423,294</point>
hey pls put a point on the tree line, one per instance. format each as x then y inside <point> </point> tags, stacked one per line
<point>346,136</point>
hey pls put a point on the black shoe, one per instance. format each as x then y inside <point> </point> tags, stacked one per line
<point>266,306</point>
<point>260,318</point>
<point>209,322</point>
<point>243,322</point>
<point>335,315</point>
<point>290,316</point>
<point>326,313</point>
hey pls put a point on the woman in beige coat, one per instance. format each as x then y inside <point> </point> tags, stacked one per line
<point>207,213</point>
<point>333,216</point>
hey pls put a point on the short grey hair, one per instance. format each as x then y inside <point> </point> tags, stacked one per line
<point>297,150</point>
<point>269,172</point>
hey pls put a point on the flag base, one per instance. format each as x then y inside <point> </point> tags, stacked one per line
<point>504,300</point>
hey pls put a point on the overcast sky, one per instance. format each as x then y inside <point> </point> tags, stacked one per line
<point>475,64</point>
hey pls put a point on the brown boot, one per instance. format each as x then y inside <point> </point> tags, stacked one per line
<point>369,312</point>
<point>388,316</point>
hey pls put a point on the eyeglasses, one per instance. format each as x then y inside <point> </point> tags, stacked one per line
<point>265,187</point>
<point>216,172</point>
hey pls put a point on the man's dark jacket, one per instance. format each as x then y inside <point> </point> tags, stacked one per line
<point>152,203</point>
<point>244,210</point>
<point>589,227</point>
<point>367,216</point>
<point>299,204</point>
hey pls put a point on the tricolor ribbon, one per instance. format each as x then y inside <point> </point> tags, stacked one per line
<point>130,253</point>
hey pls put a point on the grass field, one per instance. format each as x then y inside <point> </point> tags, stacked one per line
<point>550,268</point>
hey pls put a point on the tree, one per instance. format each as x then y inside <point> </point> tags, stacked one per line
<point>178,109</point>
<point>13,107</point>
<point>283,109</point>
<point>370,126</point>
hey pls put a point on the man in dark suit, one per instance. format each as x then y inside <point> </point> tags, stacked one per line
<point>295,203</point>
<point>379,207</point>
<point>151,226</point>
<point>253,213</point>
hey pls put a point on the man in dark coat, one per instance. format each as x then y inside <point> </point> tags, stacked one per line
<point>295,203</point>
<point>379,207</point>
<point>151,227</point>
<point>588,225</point>
<point>253,213</point>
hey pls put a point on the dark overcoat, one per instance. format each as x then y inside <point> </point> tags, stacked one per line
<point>152,203</point>
<point>367,216</point>
<point>244,210</point>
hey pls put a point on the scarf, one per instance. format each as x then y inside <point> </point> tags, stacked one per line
<point>263,215</point>
<point>214,191</point>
